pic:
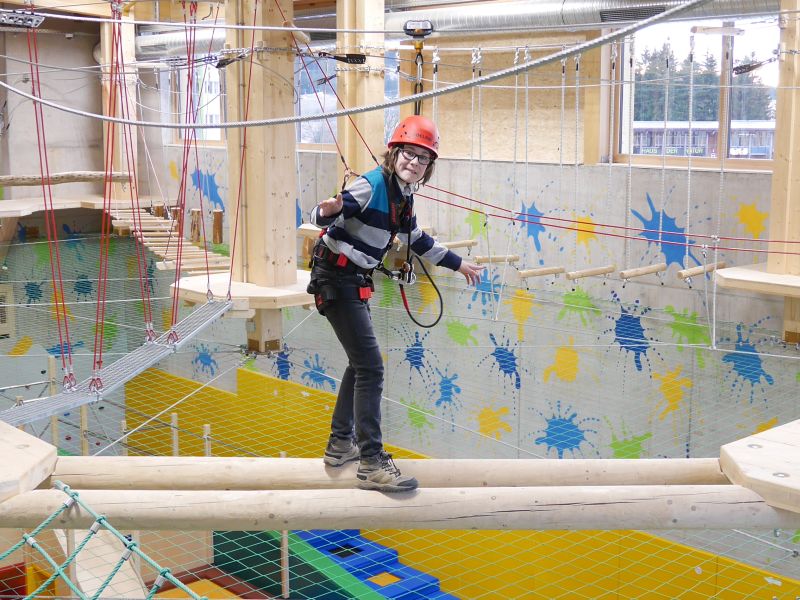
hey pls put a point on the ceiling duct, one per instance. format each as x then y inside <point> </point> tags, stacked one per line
<point>475,18</point>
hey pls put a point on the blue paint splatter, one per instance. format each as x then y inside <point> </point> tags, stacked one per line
<point>533,226</point>
<point>151,276</point>
<point>282,364</point>
<point>674,250</point>
<point>83,287</point>
<point>206,183</point>
<point>204,360</point>
<point>415,353</point>
<point>22,233</point>
<point>746,362</point>
<point>58,349</point>
<point>488,291</point>
<point>315,376</point>
<point>629,332</point>
<point>33,291</point>
<point>448,391</point>
<point>505,359</point>
<point>73,241</point>
<point>564,433</point>
<point>298,213</point>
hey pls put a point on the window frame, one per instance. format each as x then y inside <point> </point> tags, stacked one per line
<point>723,121</point>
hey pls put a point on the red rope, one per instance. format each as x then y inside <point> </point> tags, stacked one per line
<point>62,318</point>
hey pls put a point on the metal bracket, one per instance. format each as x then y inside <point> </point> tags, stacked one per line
<point>20,18</point>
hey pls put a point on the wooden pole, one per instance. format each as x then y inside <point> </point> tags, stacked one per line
<point>590,272</point>
<point>56,178</point>
<point>194,225</point>
<point>242,473</point>
<point>216,230</point>
<point>784,213</point>
<point>84,429</point>
<point>528,508</point>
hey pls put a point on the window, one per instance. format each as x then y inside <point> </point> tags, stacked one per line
<point>665,73</point>
<point>207,94</point>
<point>315,82</point>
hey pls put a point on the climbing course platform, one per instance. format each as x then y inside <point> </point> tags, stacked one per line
<point>119,372</point>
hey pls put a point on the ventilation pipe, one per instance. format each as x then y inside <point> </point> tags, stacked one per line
<point>509,16</point>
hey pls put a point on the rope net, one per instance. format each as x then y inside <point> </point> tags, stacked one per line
<point>537,367</point>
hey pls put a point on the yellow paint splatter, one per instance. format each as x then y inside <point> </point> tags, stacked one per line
<point>166,319</point>
<point>672,389</point>
<point>766,425</point>
<point>21,347</point>
<point>427,297</point>
<point>752,219</point>
<point>586,229</point>
<point>57,310</point>
<point>565,366</point>
<point>173,170</point>
<point>490,421</point>
<point>521,303</point>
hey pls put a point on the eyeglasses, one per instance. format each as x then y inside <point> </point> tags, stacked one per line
<point>423,159</point>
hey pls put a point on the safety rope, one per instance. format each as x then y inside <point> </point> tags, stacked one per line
<point>60,570</point>
<point>62,316</point>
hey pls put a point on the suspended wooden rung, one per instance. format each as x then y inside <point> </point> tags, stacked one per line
<point>639,271</point>
<point>499,258</point>
<point>116,374</point>
<point>307,230</point>
<point>687,273</point>
<point>539,271</point>
<point>460,244</point>
<point>590,272</point>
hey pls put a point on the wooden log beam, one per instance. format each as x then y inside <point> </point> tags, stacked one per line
<point>66,177</point>
<point>686,273</point>
<point>639,271</point>
<point>205,473</point>
<point>590,272</point>
<point>527,508</point>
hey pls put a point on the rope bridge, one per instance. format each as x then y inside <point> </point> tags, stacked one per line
<point>120,371</point>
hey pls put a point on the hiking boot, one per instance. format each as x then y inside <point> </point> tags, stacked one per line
<point>339,452</point>
<point>380,473</point>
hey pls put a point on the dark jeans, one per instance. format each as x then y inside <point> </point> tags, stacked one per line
<point>358,405</point>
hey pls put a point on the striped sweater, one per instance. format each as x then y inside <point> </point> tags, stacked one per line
<point>362,230</point>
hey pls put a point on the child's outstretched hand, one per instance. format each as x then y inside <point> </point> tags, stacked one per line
<point>331,206</point>
<point>471,271</point>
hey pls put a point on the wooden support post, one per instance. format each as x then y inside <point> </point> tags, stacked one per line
<point>194,226</point>
<point>158,211</point>
<point>784,214</point>
<point>216,231</point>
<point>176,449</point>
<point>123,428</point>
<point>84,429</point>
<point>361,87</point>
<point>207,440</point>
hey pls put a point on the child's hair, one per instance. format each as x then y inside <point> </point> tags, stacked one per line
<point>390,160</point>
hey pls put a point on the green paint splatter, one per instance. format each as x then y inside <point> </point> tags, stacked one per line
<point>390,293</point>
<point>2,193</point>
<point>796,537</point>
<point>418,416</point>
<point>578,302</point>
<point>250,364</point>
<point>460,333</point>
<point>42,253</point>
<point>688,331</point>
<point>797,377</point>
<point>110,332</point>
<point>630,447</point>
<point>476,222</point>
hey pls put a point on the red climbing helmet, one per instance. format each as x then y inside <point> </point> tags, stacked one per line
<point>417,130</point>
